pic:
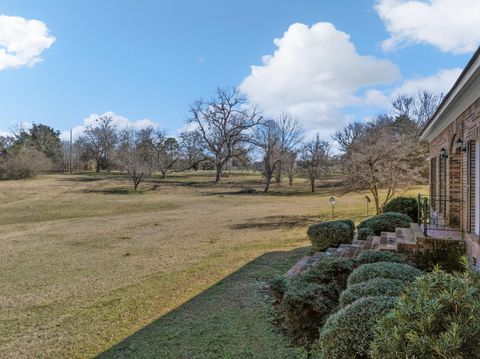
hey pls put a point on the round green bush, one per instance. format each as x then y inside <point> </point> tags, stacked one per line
<point>386,222</point>
<point>364,233</point>
<point>378,287</point>
<point>329,234</point>
<point>350,224</point>
<point>305,307</point>
<point>385,270</point>
<point>437,317</point>
<point>405,205</point>
<point>307,299</point>
<point>332,271</point>
<point>348,333</point>
<point>373,256</point>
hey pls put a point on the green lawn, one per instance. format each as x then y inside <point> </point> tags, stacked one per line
<point>85,263</point>
<point>229,320</point>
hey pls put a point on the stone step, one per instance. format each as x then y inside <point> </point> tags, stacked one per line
<point>298,267</point>
<point>402,240</point>
<point>404,235</point>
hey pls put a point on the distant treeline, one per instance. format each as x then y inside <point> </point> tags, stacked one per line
<point>225,132</point>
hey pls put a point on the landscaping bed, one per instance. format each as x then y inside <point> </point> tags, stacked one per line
<point>377,305</point>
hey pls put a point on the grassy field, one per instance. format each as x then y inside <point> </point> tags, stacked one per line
<point>90,268</point>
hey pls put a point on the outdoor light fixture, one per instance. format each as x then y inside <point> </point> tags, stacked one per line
<point>332,202</point>
<point>459,145</point>
<point>443,153</point>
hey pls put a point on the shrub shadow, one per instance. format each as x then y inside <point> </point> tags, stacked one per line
<point>228,320</point>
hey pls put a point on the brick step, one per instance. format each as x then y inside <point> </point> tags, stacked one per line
<point>402,240</point>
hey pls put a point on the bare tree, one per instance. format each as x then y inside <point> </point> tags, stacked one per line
<point>419,108</point>
<point>164,151</point>
<point>291,135</point>
<point>223,123</point>
<point>314,159</point>
<point>132,156</point>
<point>267,139</point>
<point>191,146</point>
<point>100,140</point>
<point>290,162</point>
<point>382,154</point>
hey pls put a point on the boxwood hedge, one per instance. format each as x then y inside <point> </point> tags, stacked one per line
<point>329,234</point>
<point>364,233</point>
<point>386,222</point>
<point>378,287</point>
<point>405,205</point>
<point>305,307</point>
<point>385,270</point>
<point>373,256</point>
<point>348,333</point>
<point>305,301</point>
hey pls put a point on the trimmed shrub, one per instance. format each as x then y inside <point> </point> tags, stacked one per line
<point>350,224</point>
<point>386,222</point>
<point>310,297</point>
<point>373,256</point>
<point>385,270</point>
<point>329,234</point>
<point>278,286</point>
<point>405,205</point>
<point>437,317</point>
<point>305,308</point>
<point>331,271</point>
<point>378,287</point>
<point>348,333</point>
<point>364,233</point>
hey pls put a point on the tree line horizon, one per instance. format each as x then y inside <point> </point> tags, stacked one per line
<point>225,132</point>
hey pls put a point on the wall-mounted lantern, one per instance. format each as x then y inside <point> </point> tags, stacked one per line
<point>460,146</point>
<point>443,153</point>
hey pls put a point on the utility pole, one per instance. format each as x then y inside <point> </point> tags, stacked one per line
<point>71,146</point>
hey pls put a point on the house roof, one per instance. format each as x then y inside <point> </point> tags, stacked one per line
<point>454,92</point>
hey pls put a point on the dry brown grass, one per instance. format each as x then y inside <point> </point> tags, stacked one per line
<point>84,262</point>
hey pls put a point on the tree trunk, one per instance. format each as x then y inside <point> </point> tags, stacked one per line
<point>97,167</point>
<point>218,174</point>
<point>268,179</point>
<point>290,181</point>
<point>312,184</point>
<point>377,202</point>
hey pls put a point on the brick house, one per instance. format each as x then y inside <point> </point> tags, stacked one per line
<point>453,134</point>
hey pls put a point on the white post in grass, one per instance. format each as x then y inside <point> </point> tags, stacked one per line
<point>332,202</point>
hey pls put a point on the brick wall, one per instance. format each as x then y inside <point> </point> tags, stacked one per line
<point>460,183</point>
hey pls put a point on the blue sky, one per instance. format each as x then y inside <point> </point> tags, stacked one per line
<point>149,59</point>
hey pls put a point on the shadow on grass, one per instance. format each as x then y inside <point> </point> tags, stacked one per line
<point>229,320</point>
<point>112,191</point>
<point>81,179</point>
<point>276,222</point>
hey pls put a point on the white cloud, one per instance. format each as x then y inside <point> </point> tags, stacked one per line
<point>314,73</point>
<point>441,82</point>
<point>22,41</point>
<point>438,83</point>
<point>450,25</point>
<point>119,121</point>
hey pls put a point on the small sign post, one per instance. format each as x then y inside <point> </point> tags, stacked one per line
<point>332,202</point>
